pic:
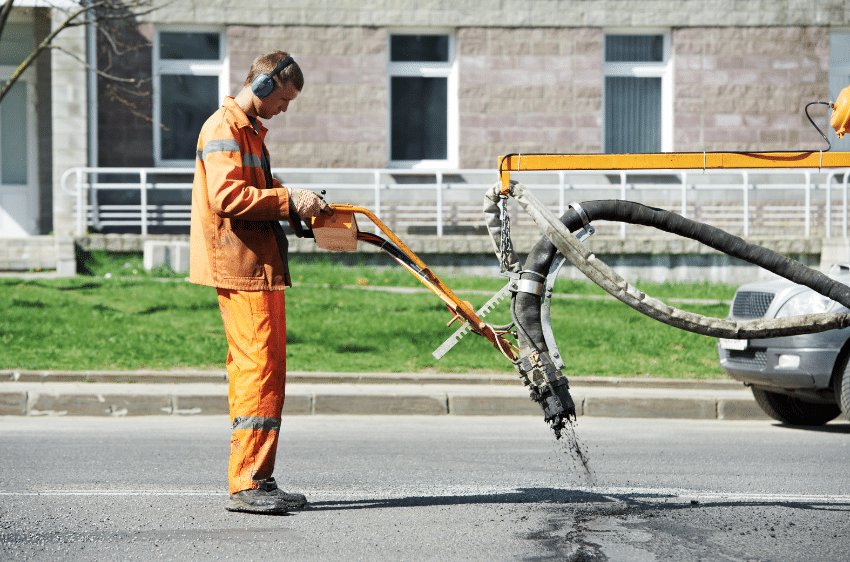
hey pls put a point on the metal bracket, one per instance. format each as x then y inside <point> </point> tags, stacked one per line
<point>527,286</point>
<point>546,316</point>
<point>587,230</point>
<point>488,307</point>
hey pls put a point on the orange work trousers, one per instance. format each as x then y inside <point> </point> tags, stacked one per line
<point>255,324</point>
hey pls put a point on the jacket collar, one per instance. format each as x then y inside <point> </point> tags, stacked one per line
<point>240,118</point>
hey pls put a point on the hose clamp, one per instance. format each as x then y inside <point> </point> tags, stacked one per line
<point>586,230</point>
<point>526,286</point>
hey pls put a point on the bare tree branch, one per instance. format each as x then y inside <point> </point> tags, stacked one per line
<point>99,19</point>
<point>115,94</point>
<point>104,10</point>
<point>121,17</point>
<point>90,67</point>
<point>4,15</point>
<point>45,43</point>
<point>113,44</point>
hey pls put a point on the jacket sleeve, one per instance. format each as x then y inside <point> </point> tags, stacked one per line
<point>230,179</point>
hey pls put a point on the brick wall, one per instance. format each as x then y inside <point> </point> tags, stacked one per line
<point>509,13</point>
<point>528,90</point>
<point>520,90</point>
<point>340,118</point>
<point>37,253</point>
<point>531,89</point>
<point>70,117</point>
<point>746,88</point>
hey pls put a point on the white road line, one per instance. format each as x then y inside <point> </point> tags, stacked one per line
<point>682,494</point>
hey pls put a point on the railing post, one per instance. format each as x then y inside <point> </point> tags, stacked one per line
<point>829,204</point>
<point>844,205</point>
<point>685,194</point>
<point>93,204</point>
<point>439,179</point>
<point>622,198</point>
<point>143,179</point>
<point>562,203</point>
<point>808,229</point>
<point>81,208</point>
<point>377,176</point>
<point>746,184</point>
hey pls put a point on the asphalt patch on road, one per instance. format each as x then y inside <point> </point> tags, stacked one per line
<point>596,527</point>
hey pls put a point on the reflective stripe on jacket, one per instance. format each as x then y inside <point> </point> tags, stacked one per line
<point>232,245</point>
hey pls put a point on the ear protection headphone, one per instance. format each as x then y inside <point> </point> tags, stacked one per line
<point>263,84</point>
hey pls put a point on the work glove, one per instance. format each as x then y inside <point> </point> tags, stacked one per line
<point>307,204</point>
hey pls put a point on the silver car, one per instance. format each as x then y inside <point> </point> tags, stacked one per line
<point>797,380</point>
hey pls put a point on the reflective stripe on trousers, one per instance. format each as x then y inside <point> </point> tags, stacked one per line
<point>255,325</point>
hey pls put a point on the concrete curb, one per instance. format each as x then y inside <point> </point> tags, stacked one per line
<point>42,393</point>
<point>321,377</point>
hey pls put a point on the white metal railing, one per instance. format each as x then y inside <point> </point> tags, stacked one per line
<point>756,201</point>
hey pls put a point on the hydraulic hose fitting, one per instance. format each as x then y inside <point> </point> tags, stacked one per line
<point>549,388</point>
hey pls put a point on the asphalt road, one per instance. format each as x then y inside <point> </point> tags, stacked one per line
<point>428,488</point>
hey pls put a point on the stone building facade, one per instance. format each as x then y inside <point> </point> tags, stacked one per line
<point>530,74</point>
<point>521,76</point>
<point>744,88</point>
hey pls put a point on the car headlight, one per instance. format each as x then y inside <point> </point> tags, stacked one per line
<point>807,302</point>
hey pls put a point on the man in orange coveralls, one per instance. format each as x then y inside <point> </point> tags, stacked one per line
<point>238,246</point>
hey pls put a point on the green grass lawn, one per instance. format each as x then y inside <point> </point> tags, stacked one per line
<point>134,320</point>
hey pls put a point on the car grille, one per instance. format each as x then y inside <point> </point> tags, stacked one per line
<point>748,357</point>
<point>751,304</point>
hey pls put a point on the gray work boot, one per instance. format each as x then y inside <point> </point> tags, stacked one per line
<point>292,500</point>
<point>256,501</point>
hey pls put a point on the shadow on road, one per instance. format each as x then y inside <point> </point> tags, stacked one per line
<point>520,496</point>
<point>828,428</point>
<point>658,501</point>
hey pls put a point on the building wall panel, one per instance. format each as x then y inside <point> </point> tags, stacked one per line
<point>746,88</point>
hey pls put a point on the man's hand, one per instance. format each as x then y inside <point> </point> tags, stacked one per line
<point>307,204</point>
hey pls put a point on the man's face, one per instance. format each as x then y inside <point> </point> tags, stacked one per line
<point>277,101</point>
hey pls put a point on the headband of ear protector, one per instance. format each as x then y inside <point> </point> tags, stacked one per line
<point>263,84</point>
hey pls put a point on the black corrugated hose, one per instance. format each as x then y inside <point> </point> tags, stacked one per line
<point>540,257</point>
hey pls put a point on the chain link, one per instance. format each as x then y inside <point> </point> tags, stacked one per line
<point>506,247</point>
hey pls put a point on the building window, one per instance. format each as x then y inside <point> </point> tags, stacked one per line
<point>189,85</point>
<point>19,157</point>
<point>14,162</point>
<point>839,78</point>
<point>423,106</point>
<point>638,94</point>
<point>13,123</point>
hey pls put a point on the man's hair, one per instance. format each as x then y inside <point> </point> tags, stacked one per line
<point>265,64</point>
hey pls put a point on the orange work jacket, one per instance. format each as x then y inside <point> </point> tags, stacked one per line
<point>232,244</point>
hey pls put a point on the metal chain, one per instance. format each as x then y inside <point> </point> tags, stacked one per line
<point>506,247</point>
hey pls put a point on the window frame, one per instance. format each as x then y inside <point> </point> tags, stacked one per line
<point>194,67</point>
<point>448,70</point>
<point>644,69</point>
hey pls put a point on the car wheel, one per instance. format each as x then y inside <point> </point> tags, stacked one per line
<point>842,387</point>
<point>794,411</point>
